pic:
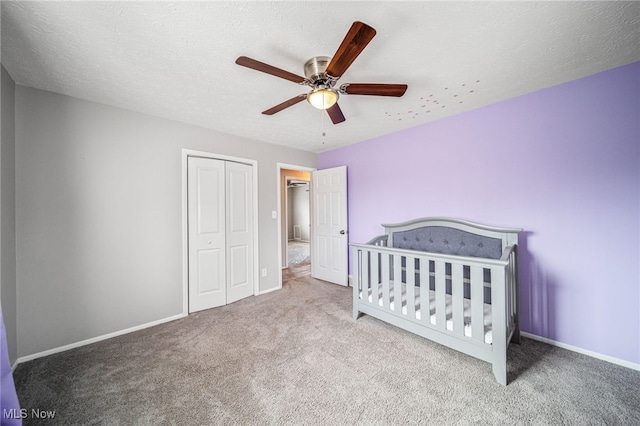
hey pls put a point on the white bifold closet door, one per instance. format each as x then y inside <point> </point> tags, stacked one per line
<point>220,205</point>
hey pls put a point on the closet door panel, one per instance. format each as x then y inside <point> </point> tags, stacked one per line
<point>210,263</point>
<point>207,233</point>
<point>239,211</point>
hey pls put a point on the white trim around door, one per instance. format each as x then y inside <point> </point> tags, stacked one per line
<point>186,153</point>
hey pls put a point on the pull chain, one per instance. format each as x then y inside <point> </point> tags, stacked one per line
<point>323,132</point>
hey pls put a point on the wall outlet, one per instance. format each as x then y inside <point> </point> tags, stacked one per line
<point>274,214</point>
<point>264,272</point>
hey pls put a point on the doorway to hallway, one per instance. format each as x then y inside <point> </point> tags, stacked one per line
<point>295,220</point>
<point>299,260</point>
<point>299,252</point>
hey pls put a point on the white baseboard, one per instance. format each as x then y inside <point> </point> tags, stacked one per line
<point>269,290</point>
<point>350,280</point>
<point>621,362</point>
<point>94,340</point>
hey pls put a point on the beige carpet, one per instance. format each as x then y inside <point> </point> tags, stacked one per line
<point>296,357</point>
<point>298,252</point>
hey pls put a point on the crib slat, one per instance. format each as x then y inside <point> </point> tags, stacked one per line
<point>477,303</point>
<point>411,289</point>
<point>397,283</point>
<point>508,297</point>
<point>364,275</point>
<point>374,278</point>
<point>441,319</point>
<point>424,291</point>
<point>384,258</point>
<point>499,303</point>
<point>457,296</point>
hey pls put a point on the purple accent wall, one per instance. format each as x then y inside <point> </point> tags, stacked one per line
<point>564,164</point>
<point>10,413</point>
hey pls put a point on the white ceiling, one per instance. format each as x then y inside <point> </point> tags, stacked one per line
<point>177,59</point>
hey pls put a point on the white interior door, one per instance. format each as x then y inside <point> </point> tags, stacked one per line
<point>239,210</point>
<point>329,261</point>
<point>220,226</point>
<point>207,233</point>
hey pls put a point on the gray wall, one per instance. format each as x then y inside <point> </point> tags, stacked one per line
<point>8,290</point>
<point>99,215</point>
<point>289,213</point>
<point>300,211</point>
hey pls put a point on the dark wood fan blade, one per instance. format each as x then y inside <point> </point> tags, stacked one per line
<point>375,89</point>
<point>285,104</point>
<point>336,114</point>
<point>269,69</point>
<point>353,44</point>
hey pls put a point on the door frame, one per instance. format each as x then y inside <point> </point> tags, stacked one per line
<point>279,168</point>
<point>186,153</point>
<point>285,198</point>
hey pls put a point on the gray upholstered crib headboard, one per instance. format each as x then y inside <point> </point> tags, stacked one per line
<point>451,236</point>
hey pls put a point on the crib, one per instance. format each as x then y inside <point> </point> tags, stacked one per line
<point>451,281</point>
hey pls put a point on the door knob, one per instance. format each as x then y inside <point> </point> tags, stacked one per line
<point>342,232</point>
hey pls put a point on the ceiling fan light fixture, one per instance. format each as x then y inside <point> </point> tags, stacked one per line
<point>322,98</point>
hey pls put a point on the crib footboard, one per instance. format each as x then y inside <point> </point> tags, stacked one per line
<point>468,304</point>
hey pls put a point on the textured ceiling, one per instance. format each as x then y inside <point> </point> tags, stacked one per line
<point>176,59</point>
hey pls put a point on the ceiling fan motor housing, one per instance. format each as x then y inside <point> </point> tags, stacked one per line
<point>314,71</point>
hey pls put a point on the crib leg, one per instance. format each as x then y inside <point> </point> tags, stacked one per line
<point>516,335</point>
<point>356,312</point>
<point>500,371</point>
<point>500,362</point>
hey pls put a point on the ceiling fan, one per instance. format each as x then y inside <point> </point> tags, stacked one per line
<point>291,183</point>
<point>322,73</point>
